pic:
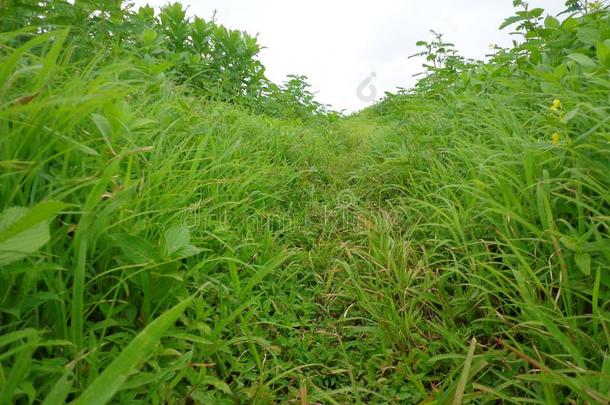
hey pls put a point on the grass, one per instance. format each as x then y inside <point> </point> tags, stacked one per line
<point>173,249</point>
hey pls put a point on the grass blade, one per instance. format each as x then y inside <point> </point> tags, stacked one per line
<point>459,391</point>
<point>114,376</point>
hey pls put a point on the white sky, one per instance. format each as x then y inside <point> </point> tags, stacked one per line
<point>338,44</point>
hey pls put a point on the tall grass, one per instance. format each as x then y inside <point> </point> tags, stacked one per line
<point>448,245</point>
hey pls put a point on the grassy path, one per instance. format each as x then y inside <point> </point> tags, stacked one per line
<point>159,248</point>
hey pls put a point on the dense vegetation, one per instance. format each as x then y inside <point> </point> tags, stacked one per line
<point>175,228</point>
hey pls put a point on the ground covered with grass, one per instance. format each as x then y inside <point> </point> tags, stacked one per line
<point>166,241</point>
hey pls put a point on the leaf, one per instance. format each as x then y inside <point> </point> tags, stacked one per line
<point>160,68</point>
<point>187,251</point>
<point>583,60</point>
<point>25,230</point>
<point>50,60</point>
<point>177,242</point>
<point>136,249</point>
<point>583,262</point>
<point>459,391</point>
<point>549,88</point>
<point>588,35</point>
<point>216,383</point>
<point>105,128</point>
<point>570,115</point>
<point>511,20</point>
<point>80,146</point>
<point>11,337</point>
<point>603,52</point>
<point>17,372</point>
<point>551,22</point>
<point>103,388</point>
<point>140,123</point>
<point>102,124</point>
<point>604,378</point>
<point>176,238</point>
<point>61,389</point>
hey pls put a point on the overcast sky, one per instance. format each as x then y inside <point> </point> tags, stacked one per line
<point>339,44</point>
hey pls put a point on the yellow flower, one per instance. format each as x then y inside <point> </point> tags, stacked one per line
<point>556,105</point>
<point>555,138</point>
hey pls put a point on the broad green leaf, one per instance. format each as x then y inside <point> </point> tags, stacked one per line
<point>25,230</point>
<point>160,68</point>
<point>103,388</point>
<point>551,22</point>
<point>177,242</point>
<point>588,35</point>
<point>535,12</point>
<point>583,60</point>
<point>136,249</point>
<point>176,238</point>
<point>572,244</point>
<point>603,52</point>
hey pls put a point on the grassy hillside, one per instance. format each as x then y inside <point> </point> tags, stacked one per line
<point>176,232</point>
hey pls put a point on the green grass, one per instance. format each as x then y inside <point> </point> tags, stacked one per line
<point>436,248</point>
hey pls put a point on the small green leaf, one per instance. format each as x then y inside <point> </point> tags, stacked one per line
<point>572,244</point>
<point>216,383</point>
<point>136,249</point>
<point>102,124</point>
<point>23,230</point>
<point>571,114</point>
<point>511,21</point>
<point>551,22</point>
<point>583,262</point>
<point>177,243</point>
